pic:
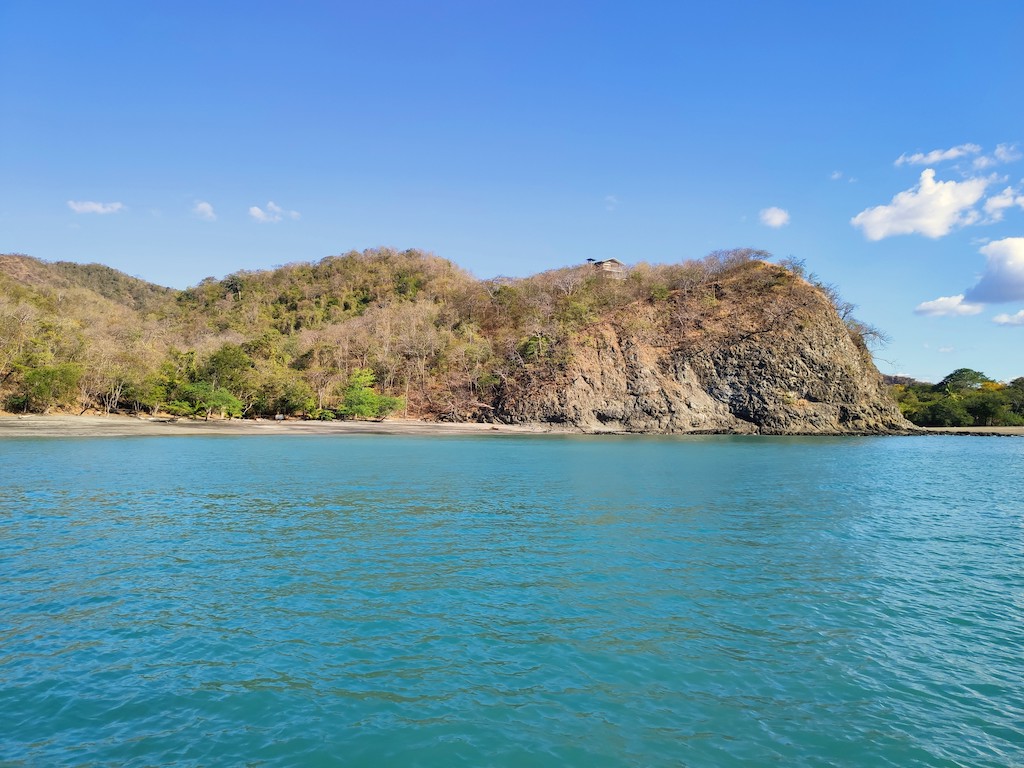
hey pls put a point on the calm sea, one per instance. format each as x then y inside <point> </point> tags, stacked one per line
<point>512,601</point>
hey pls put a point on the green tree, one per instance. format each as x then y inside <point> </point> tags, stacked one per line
<point>203,399</point>
<point>915,398</point>
<point>990,407</point>
<point>946,413</point>
<point>360,401</point>
<point>49,386</point>
<point>1015,396</point>
<point>148,394</point>
<point>962,379</point>
<point>228,367</point>
<point>282,390</point>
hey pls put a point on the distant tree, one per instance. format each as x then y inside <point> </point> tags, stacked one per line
<point>962,379</point>
<point>283,390</point>
<point>913,399</point>
<point>1015,396</point>
<point>987,407</point>
<point>203,399</point>
<point>233,285</point>
<point>18,321</point>
<point>229,367</point>
<point>49,386</point>
<point>946,413</point>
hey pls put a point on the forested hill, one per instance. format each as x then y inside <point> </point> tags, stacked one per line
<point>65,275</point>
<point>660,348</point>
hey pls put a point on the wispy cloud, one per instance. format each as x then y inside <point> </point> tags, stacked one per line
<point>948,306</point>
<point>996,205</point>
<point>204,211</point>
<point>272,213</point>
<point>89,206</point>
<point>1003,153</point>
<point>836,175</point>
<point>611,202</point>
<point>932,208</point>
<point>1003,279</point>
<point>1008,153</point>
<point>774,217</point>
<point>938,155</point>
<point>1005,319</point>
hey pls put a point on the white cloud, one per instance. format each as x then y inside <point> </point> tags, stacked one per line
<point>946,350</point>
<point>996,205</point>
<point>1003,279</point>
<point>204,211</point>
<point>932,208</point>
<point>774,217</point>
<point>1004,153</point>
<point>611,202</point>
<point>1008,153</point>
<point>88,206</point>
<point>836,175</point>
<point>938,155</point>
<point>1005,319</point>
<point>273,213</point>
<point>948,306</point>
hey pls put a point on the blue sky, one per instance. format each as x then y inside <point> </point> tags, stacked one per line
<point>883,143</point>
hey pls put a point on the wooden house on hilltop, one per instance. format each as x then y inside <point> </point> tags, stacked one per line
<point>609,268</point>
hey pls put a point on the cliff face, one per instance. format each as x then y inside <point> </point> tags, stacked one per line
<point>783,364</point>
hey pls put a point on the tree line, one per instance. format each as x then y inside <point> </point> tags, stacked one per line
<point>964,398</point>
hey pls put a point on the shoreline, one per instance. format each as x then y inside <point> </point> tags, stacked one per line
<point>117,425</point>
<point>977,431</point>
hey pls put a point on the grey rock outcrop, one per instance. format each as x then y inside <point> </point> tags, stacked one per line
<point>798,372</point>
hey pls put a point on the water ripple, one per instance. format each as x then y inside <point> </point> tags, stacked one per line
<point>514,601</point>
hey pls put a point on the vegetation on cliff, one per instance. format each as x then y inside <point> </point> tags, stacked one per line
<point>364,334</point>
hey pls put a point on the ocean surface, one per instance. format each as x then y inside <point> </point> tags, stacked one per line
<point>512,601</point>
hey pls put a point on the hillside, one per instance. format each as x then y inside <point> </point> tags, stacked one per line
<point>729,343</point>
<point>129,291</point>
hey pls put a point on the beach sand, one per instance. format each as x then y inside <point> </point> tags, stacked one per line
<point>63,425</point>
<point>123,426</point>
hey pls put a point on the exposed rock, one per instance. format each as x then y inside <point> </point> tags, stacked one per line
<point>787,365</point>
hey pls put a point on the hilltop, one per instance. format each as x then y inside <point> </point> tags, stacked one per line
<point>728,343</point>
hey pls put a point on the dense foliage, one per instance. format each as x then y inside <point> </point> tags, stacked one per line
<point>359,335</point>
<point>964,398</point>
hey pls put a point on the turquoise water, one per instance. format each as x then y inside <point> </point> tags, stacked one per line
<point>507,601</point>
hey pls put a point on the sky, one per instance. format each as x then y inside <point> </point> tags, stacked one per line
<point>880,143</point>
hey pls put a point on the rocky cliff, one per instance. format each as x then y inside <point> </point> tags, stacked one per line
<point>761,353</point>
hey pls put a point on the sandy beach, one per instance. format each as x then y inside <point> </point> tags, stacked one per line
<point>35,425</point>
<point>63,425</point>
